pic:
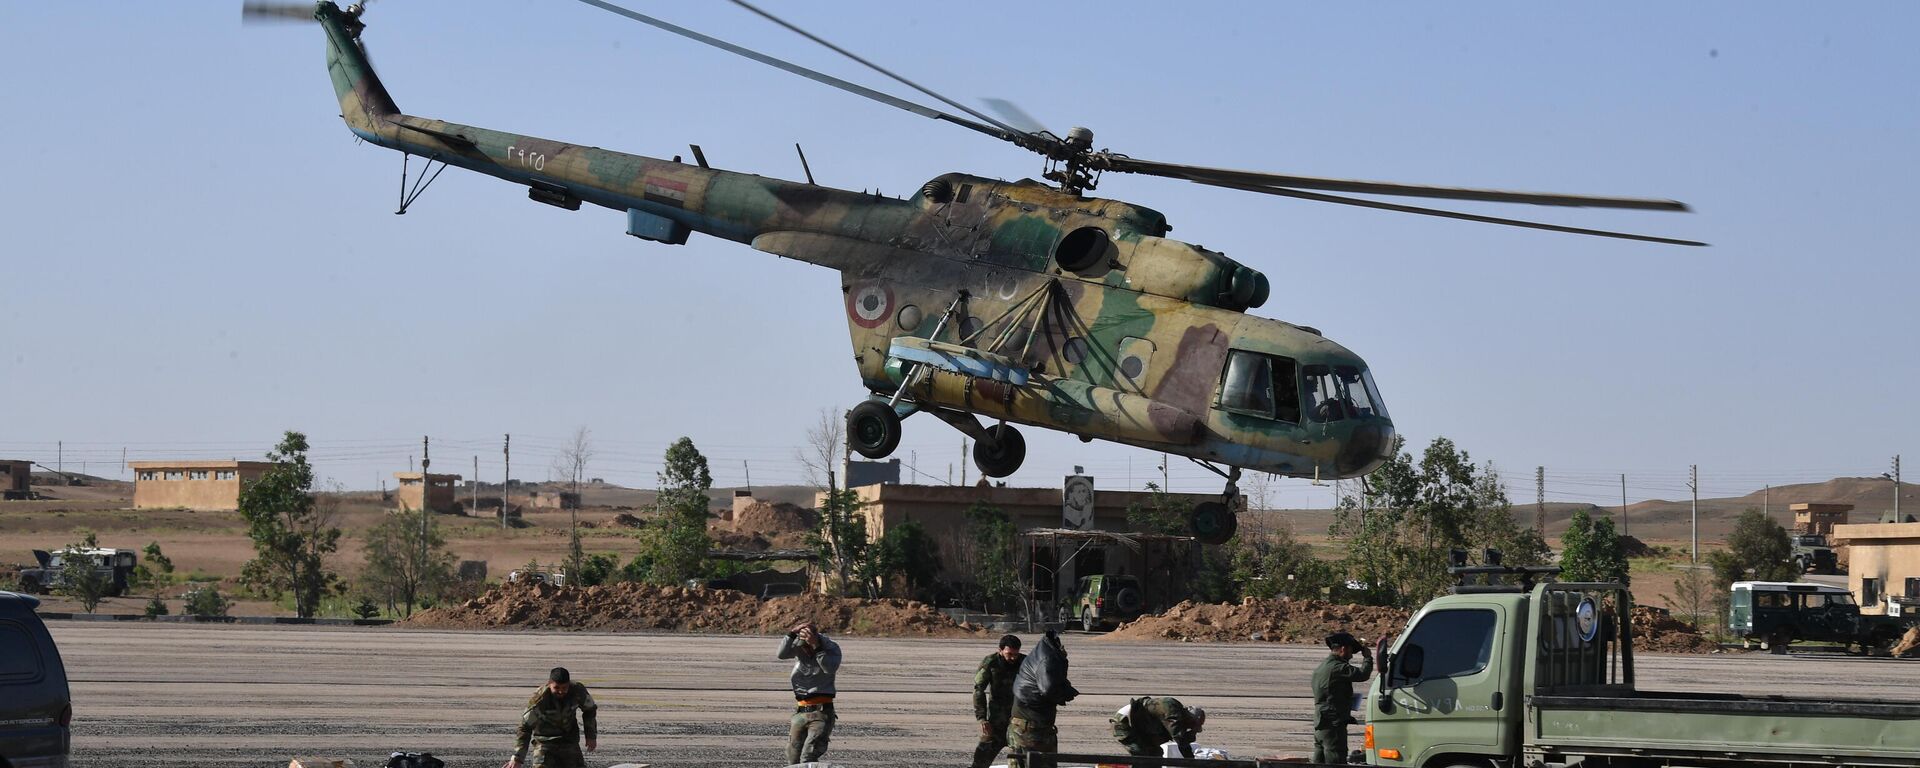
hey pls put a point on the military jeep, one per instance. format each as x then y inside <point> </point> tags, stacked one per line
<point>1105,602</point>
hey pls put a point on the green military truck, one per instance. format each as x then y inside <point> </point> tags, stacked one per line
<point>1505,675</point>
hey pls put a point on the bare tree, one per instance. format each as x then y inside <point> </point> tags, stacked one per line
<point>571,463</point>
<point>825,446</point>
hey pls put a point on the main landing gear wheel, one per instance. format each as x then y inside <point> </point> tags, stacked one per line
<point>1001,453</point>
<point>873,429</point>
<point>1212,522</point>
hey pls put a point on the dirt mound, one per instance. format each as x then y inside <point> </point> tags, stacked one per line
<point>1658,631</point>
<point>1309,621</point>
<point>1276,621</point>
<point>626,520</point>
<point>736,540</point>
<point>773,518</point>
<point>646,607</point>
<point>1632,546</point>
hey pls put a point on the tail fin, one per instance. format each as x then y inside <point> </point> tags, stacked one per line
<point>364,102</point>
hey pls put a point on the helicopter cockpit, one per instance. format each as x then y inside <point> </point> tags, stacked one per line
<point>1340,392</point>
<point>1272,387</point>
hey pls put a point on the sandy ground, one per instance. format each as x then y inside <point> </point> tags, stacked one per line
<point>161,695</point>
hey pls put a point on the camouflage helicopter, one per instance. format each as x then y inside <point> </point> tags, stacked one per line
<point>1018,302</point>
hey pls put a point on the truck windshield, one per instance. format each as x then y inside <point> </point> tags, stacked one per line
<point>1454,643</point>
<point>1336,393</point>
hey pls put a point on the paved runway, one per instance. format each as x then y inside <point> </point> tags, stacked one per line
<point>185,695</point>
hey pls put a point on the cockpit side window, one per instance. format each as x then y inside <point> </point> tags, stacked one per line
<point>1260,385</point>
<point>1337,393</point>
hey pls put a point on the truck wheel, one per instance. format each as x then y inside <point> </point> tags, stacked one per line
<point>30,585</point>
<point>1777,643</point>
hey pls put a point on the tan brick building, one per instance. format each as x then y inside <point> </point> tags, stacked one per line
<point>1883,564</point>
<point>16,479</point>
<point>1819,518</point>
<point>1046,565</point>
<point>207,486</point>
<point>436,492</point>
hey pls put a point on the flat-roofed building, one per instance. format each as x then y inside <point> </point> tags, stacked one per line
<point>1883,567</point>
<point>207,486</point>
<point>1819,518</point>
<point>16,479</point>
<point>434,492</point>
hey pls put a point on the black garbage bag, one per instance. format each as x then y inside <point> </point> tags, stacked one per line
<point>1042,681</point>
<point>414,760</point>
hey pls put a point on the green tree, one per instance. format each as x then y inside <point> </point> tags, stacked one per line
<point>840,538</point>
<point>594,570</point>
<point>1494,525</point>
<point>1160,513</point>
<point>407,560</point>
<point>81,576</point>
<point>677,548</point>
<point>1398,535</point>
<point>1758,549</point>
<point>907,553</point>
<point>292,534</point>
<point>1266,564</point>
<point>990,547</point>
<point>1591,551</point>
<point>156,558</point>
<point>206,602</point>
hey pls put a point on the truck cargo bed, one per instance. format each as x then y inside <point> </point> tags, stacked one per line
<point>1724,727</point>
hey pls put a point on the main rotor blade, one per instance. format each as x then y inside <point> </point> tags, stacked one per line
<point>820,77</point>
<point>877,68</point>
<point>1284,192</point>
<point>257,12</point>
<point>1230,177</point>
<point>1016,116</point>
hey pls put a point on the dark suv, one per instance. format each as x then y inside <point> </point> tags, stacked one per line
<point>1105,602</point>
<point>36,711</point>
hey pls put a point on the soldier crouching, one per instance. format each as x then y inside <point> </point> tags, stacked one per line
<point>547,726</point>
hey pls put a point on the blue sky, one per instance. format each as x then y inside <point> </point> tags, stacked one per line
<point>198,255</point>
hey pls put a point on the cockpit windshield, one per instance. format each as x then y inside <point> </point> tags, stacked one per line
<point>1340,392</point>
<point>1260,385</point>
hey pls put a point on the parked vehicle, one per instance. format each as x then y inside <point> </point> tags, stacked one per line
<point>556,577</point>
<point>36,709</point>
<point>1105,602</point>
<point>1542,675</point>
<point>1813,554</point>
<point>115,564</point>
<point>1778,614</point>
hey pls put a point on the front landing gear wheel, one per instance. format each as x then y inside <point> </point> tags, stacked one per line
<point>1212,522</point>
<point>873,429</point>
<point>1002,453</point>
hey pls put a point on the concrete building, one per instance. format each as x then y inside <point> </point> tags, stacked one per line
<point>554,500</point>
<point>16,479</point>
<point>1883,565</point>
<point>434,492</point>
<point>205,486</point>
<point>1050,566</point>
<point>1819,518</point>
<point>861,473</point>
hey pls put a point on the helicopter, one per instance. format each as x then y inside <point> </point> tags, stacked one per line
<point>991,304</point>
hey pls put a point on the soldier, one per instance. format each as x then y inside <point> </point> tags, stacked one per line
<point>1040,689</point>
<point>993,698</point>
<point>1333,695</point>
<point>1147,722</point>
<point>815,660</point>
<point>548,725</point>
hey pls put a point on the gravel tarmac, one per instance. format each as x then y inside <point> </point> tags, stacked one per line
<point>157,695</point>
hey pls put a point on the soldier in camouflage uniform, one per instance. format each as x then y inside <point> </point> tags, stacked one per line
<point>1147,722</point>
<point>1333,695</point>
<point>549,728</point>
<point>1031,728</point>
<point>993,698</point>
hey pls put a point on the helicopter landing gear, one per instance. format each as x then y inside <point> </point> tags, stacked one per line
<point>1214,522</point>
<point>873,429</point>
<point>1000,453</point>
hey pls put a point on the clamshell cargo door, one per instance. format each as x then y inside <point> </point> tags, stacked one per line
<point>1447,683</point>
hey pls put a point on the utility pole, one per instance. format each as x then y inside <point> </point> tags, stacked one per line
<point>1896,488</point>
<point>1766,501</point>
<point>506,476</point>
<point>1623,503</point>
<point>60,462</point>
<point>749,469</point>
<point>426,496</point>
<point>1166,481</point>
<point>963,461</point>
<point>1540,501</point>
<point>1693,484</point>
<point>476,483</point>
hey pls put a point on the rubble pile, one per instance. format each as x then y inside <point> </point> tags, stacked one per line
<point>773,518</point>
<point>1658,631</point>
<point>626,607</point>
<point>1283,620</point>
<point>1286,620</point>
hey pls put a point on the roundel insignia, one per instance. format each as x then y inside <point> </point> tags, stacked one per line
<point>869,304</point>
